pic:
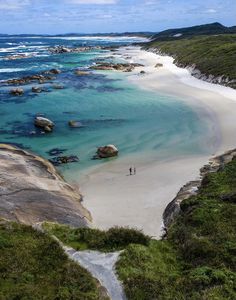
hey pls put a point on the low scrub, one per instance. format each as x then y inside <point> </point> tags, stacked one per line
<point>116,238</point>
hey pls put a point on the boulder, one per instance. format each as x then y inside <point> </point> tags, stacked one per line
<point>36,89</point>
<point>106,152</point>
<point>54,71</point>
<point>17,92</point>
<point>142,72</point>
<point>159,65</point>
<point>44,123</point>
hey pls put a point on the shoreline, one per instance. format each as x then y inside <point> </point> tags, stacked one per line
<point>115,199</point>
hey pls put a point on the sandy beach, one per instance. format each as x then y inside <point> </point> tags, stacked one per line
<point>115,198</point>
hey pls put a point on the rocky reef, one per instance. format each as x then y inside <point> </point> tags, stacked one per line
<point>127,67</point>
<point>191,188</point>
<point>32,191</point>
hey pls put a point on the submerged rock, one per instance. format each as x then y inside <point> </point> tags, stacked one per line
<point>142,72</point>
<point>56,161</point>
<point>17,92</point>
<point>44,123</point>
<point>36,89</point>
<point>159,65</point>
<point>58,87</point>
<point>56,151</point>
<point>81,73</point>
<point>75,124</point>
<point>106,152</point>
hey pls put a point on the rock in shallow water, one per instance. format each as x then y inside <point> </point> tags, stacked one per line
<point>56,161</point>
<point>17,92</point>
<point>106,152</point>
<point>44,123</point>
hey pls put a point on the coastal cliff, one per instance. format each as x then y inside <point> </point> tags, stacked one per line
<point>32,191</point>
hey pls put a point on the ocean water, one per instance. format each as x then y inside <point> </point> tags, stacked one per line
<point>111,110</point>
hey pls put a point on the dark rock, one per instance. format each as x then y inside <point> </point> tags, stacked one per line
<point>56,161</point>
<point>56,151</point>
<point>36,89</point>
<point>229,197</point>
<point>17,92</point>
<point>159,65</point>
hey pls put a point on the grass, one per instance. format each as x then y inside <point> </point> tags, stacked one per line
<point>212,55</point>
<point>197,260</point>
<point>114,239</point>
<point>33,266</point>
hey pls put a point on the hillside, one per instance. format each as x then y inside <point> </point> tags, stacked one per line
<point>211,58</point>
<point>206,29</point>
<point>195,260</point>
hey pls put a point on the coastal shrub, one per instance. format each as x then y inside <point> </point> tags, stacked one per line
<point>33,266</point>
<point>197,258</point>
<point>116,238</point>
<point>212,55</point>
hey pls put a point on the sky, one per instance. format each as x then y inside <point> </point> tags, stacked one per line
<point>93,16</point>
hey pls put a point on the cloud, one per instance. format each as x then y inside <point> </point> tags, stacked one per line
<point>13,4</point>
<point>93,1</point>
<point>211,11</point>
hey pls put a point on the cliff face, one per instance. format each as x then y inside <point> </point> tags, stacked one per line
<point>32,191</point>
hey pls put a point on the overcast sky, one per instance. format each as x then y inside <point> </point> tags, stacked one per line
<point>91,16</point>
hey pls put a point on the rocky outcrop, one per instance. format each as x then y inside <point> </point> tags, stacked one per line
<point>215,164</point>
<point>64,49</point>
<point>106,152</point>
<point>17,92</point>
<point>44,123</point>
<point>59,160</point>
<point>28,79</point>
<point>32,191</point>
<point>37,89</point>
<point>128,67</point>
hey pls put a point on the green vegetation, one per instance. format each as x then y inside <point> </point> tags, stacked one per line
<point>86,238</point>
<point>205,29</point>
<point>33,266</point>
<point>197,260</point>
<point>212,55</point>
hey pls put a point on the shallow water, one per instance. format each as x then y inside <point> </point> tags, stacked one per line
<point>111,110</point>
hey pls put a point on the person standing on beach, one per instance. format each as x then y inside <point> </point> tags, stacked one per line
<point>130,171</point>
<point>134,171</point>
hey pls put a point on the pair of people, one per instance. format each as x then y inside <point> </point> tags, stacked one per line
<point>132,171</point>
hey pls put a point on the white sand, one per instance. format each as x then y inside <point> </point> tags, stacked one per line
<point>114,198</point>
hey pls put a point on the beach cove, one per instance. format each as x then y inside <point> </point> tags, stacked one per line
<point>113,197</point>
<point>164,122</point>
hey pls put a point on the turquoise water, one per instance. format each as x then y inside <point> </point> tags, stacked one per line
<point>112,111</point>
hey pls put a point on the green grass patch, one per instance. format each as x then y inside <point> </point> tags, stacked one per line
<point>33,266</point>
<point>114,239</point>
<point>212,55</point>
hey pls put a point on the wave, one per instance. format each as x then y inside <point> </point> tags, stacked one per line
<point>11,70</point>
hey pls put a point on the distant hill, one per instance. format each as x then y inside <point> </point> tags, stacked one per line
<point>206,29</point>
